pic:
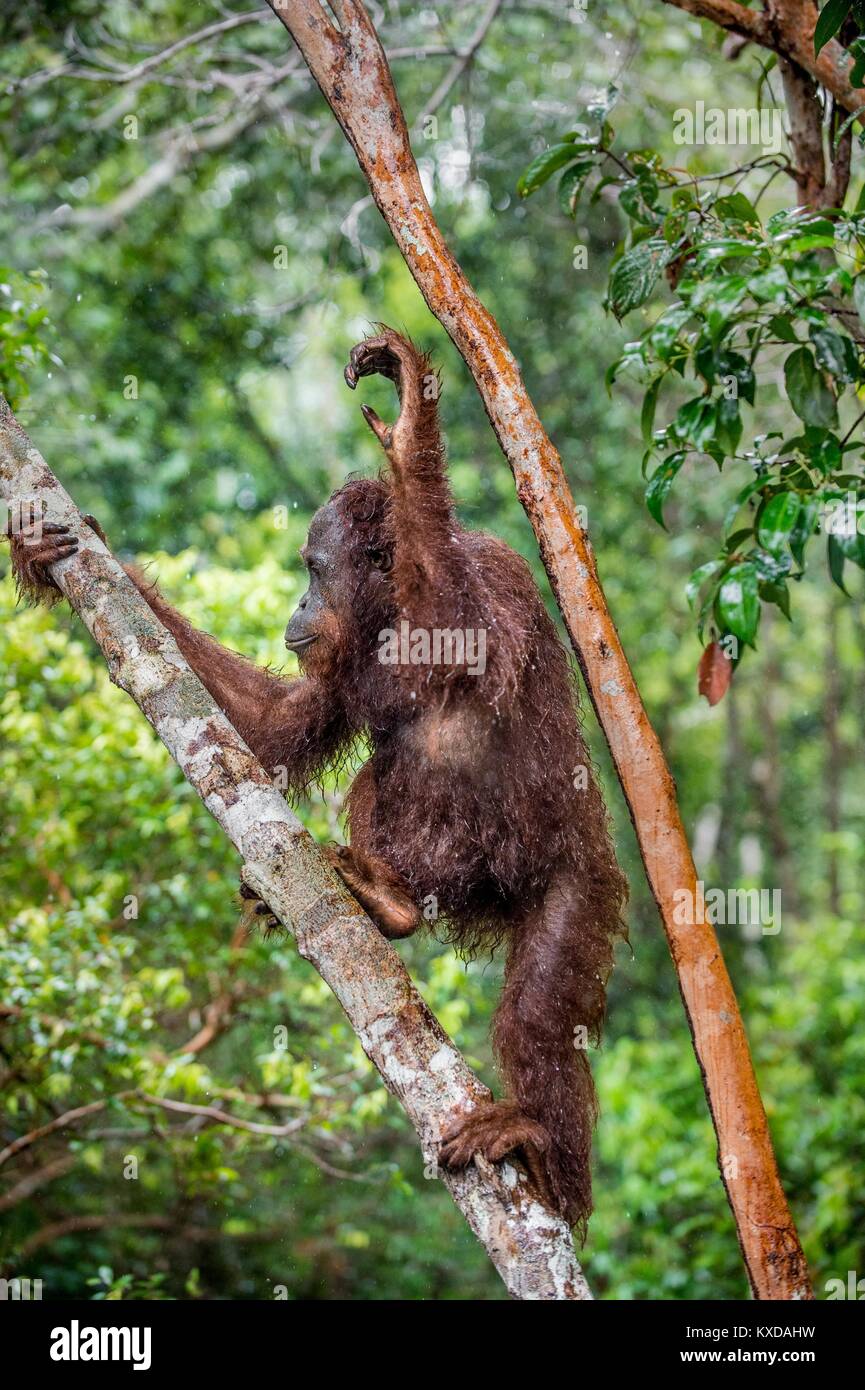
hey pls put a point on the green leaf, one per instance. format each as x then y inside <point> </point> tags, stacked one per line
<point>784,223</point>
<point>832,16</point>
<point>634,354</point>
<point>728,424</point>
<point>698,579</point>
<point>777,519</point>
<point>835,558</point>
<point>776,591</point>
<point>736,208</point>
<point>638,197</point>
<point>665,330</point>
<point>804,529</point>
<point>842,524</point>
<point>811,241</point>
<point>855,78</point>
<point>733,364</point>
<point>704,360</point>
<point>821,448</point>
<point>718,298</point>
<point>836,353</point>
<point>545,166</point>
<point>634,277</point>
<point>738,602</point>
<point>808,393</point>
<point>782,327</point>
<point>737,539</point>
<point>772,285</point>
<point>647,414</point>
<point>770,568</point>
<point>673,227</point>
<point>721,249</point>
<point>603,103</point>
<point>695,421</point>
<point>810,224</point>
<point>741,498</point>
<point>859,295</point>
<point>706,607</point>
<point>853,547</point>
<point>660,483</point>
<point>571,185</point>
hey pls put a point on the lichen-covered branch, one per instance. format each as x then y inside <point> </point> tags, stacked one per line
<point>531,1248</point>
<point>348,63</point>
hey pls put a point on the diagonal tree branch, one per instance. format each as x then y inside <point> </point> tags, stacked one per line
<point>728,14</point>
<point>531,1248</point>
<point>350,67</point>
<point>64,1121</point>
<point>40,1177</point>
<point>786,27</point>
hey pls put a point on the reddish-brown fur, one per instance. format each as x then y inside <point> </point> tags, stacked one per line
<point>473,800</point>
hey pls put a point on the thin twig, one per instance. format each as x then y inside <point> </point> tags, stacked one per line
<point>464,58</point>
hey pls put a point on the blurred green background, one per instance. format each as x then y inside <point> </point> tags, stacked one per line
<point>209,254</point>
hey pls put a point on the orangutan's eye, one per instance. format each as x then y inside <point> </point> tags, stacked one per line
<point>380,559</point>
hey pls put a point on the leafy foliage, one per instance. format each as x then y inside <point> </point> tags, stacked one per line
<point>746,294</point>
<point>831,19</point>
<point>24,328</point>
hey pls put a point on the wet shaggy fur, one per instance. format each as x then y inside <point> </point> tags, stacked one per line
<point>473,799</point>
<point>497,832</point>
